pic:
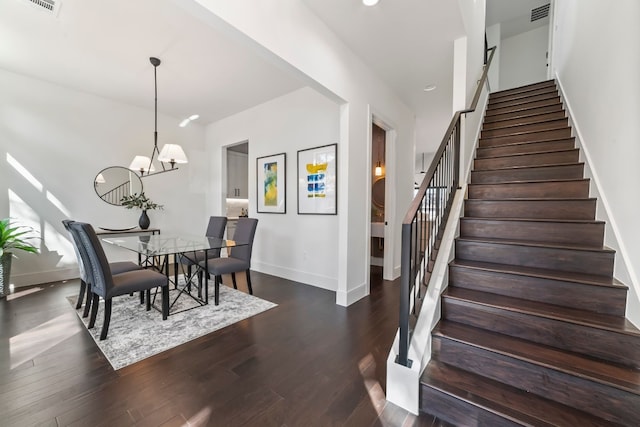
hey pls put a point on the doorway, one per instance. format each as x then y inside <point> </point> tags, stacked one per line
<point>378,194</point>
<point>237,195</point>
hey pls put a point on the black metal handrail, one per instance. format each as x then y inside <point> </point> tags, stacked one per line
<point>426,218</point>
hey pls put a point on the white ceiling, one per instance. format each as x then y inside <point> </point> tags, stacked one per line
<point>409,43</point>
<point>104,48</point>
<point>514,16</point>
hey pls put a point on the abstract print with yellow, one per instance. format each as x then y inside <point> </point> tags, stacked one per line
<point>271,184</point>
<point>316,174</point>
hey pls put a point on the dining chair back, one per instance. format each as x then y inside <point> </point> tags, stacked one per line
<point>85,275</point>
<point>238,260</point>
<point>215,228</point>
<point>245,232</point>
<point>107,285</point>
<point>84,279</point>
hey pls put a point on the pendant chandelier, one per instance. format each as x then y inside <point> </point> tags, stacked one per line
<point>170,153</point>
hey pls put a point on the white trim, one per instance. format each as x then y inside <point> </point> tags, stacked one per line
<point>345,299</point>
<point>317,280</point>
<point>41,277</point>
<point>376,261</point>
<point>624,270</point>
<point>388,268</point>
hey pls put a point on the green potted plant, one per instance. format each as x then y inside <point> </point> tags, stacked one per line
<point>142,202</point>
<point>11,238</point>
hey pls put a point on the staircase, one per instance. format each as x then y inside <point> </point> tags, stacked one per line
<point>533,329</point>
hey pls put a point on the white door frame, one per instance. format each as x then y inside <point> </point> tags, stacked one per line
<point>390,199</point>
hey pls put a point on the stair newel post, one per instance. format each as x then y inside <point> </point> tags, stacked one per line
<point>405,286</point>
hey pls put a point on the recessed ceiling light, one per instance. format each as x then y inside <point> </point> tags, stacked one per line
<point>370,2</point>
<point>194,117</point>
<point>429,88</point>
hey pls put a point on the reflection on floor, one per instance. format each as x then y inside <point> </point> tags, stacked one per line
<point>307,361</point>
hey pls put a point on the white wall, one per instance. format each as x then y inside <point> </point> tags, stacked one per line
<point>471,69</point>
<point>523,58</point>
<point>473,15</point>
<point>297,247</point>
<point>493,39</point>
<point>304,44</point>
<point>63,138</point>
<point>596,60</point>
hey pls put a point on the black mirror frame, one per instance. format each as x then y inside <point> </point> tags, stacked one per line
<point>115,194</point>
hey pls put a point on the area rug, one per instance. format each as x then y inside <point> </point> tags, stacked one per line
<point>135,334</point>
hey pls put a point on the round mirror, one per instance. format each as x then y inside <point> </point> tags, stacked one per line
<point>377,193</point>
<point>115,182</point>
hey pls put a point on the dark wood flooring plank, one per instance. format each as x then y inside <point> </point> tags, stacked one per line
<point>305,362</point>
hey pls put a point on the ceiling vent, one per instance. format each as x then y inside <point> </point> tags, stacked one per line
<point>49,6</point>
<point>537,13</point>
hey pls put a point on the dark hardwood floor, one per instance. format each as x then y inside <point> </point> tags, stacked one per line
<point>306,362</point>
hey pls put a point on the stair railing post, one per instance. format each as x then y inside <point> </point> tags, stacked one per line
<point>405,291</point>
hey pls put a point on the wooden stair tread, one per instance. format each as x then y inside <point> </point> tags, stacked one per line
<point>508,115</point>
<point>534,243</point>
<point>523,106</point>
<point>499,104</point>
<point>525,167</point>
<point>526,132</point>
<point>545,220</point>
<point>528,142</point>
<point>533,141</point>
<point>554,100</point>
<point>525,88</point>
<point>530,199</point>
<point>616,324</point>
<point>508,402</point>
<point>524,115</point>
<point>536,93</point>
<point>607,373</point>
<point>515,127</point>
<point>566,276</point>
<point>529,153</point>
<point>534,181</point>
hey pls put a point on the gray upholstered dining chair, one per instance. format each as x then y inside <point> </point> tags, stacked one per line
<point>215,228</point>
<point>85,280</point>
<point>107,285</point>
<point>238,260</point>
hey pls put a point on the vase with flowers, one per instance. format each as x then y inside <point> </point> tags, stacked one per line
<point>142,202</point>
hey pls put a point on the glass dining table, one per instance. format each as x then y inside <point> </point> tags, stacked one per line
<point>158,252</point>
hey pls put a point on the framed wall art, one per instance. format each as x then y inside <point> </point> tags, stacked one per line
<point>318,180</point>
<point>271,185</point>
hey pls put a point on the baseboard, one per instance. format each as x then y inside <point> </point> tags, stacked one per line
<point>375,261</point>
<point>345,299</point>
<point>319,281</point>
<point>396,272</point>
<point>29,279</point>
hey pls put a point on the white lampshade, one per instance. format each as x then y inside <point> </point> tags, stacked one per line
<point>100,179</point>
<point>141,164</point>
<point>172,153</point>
